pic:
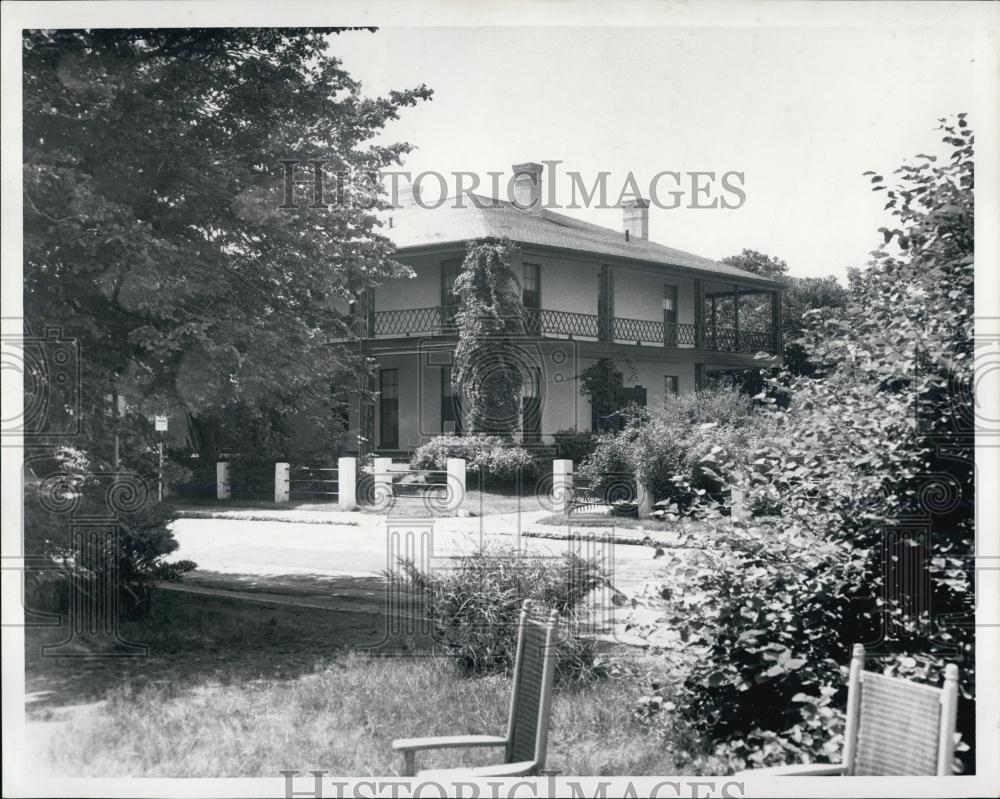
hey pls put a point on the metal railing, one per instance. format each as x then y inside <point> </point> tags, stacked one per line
<point>647,331</point>
<point>726,339</point>
<point>314,481</point>
<point>440,321</point>
<point>567,323</point>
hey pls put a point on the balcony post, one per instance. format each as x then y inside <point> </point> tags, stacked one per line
<point>606,305</point>
<point>699,313</point>
<point>715,325</point>
<point>736,319</point>
<point>777,322</point>
<point>370,312</point>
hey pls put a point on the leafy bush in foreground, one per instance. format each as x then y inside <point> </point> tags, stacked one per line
<point>477,603</point>
<point>880,435</point>
<point>129,562</point>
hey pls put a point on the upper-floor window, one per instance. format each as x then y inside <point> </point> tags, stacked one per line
<point>669,315</point>
<point>530,286</point>
<point>531,298</point>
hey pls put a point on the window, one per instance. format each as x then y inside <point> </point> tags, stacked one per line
<point>388,410</point>
<point>531,405</point>
<point>530,291</point>
<point>671,385</point>
<point>669,316</point>
<point>451,404</point>
<point>531,297</point>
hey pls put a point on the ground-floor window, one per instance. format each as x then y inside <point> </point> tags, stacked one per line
<point>671,385</point>
<point>388,408</point>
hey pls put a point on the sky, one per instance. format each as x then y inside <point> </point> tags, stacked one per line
<point>802,113</point>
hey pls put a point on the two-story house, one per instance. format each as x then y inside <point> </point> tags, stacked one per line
<point>591,294</point>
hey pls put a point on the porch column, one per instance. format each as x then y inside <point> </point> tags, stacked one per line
<point>736,318</point>
<point>606,305</point>
<point>370,313</point>
<point>777,322</point>
<point>699,376</point>
<point>699,313</point>
<point>715,325</point>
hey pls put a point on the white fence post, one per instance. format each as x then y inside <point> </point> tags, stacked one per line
<point>347,483</point>
<point>456,483</point>
<point>643,500</point>
<point>382,475</point>
<point>282,482</point>
<point>222,487</point>
<point>562,486</point>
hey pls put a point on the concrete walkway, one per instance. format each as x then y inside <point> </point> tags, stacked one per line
<point>332,543</point>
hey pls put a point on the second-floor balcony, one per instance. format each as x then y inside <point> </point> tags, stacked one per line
<point>440,321</point>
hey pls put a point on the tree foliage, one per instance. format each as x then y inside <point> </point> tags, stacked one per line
<point>158,237</point>
<point>865,527</point>
<point>490,365</point>
<point>155,232</point>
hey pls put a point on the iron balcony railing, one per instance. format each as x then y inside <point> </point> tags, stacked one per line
<point>440,321</point>
<point>727,339</point>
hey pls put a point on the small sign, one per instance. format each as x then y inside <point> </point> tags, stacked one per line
<point>160,422</point>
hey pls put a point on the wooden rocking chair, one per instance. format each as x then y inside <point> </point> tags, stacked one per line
<point>530,703</point>
<point>895,727</point>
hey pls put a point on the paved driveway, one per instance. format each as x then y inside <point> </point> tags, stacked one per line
<point>362,545</point>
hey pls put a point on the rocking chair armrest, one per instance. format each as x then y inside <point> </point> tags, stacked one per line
<point>801,770</point>
<point>526,768</point>
<point>447,742</point>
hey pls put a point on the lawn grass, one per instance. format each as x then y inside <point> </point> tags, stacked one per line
<point>231,690</point>
<point>490,502</point>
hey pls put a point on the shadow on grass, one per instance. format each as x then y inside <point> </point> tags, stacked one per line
<point>193,639</point>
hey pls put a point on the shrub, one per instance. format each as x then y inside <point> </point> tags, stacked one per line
<point>879,435</point>
<point>666,449</point>
<point>476,605</point>
<point>130,563</point>
<point>575,445</point>
<point>494,459</point>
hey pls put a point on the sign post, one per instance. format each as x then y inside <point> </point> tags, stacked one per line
<point>160,424</point>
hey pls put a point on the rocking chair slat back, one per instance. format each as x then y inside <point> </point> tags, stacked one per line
<point>534,669</point>
<point>898,727</point>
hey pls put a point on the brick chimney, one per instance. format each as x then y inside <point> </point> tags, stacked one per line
<point>635,219</point>
<point>528,186</point>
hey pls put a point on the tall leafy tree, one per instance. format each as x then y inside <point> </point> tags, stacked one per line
<point>158,231</point>
<point>158,235</point>
<point>802,295</point>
